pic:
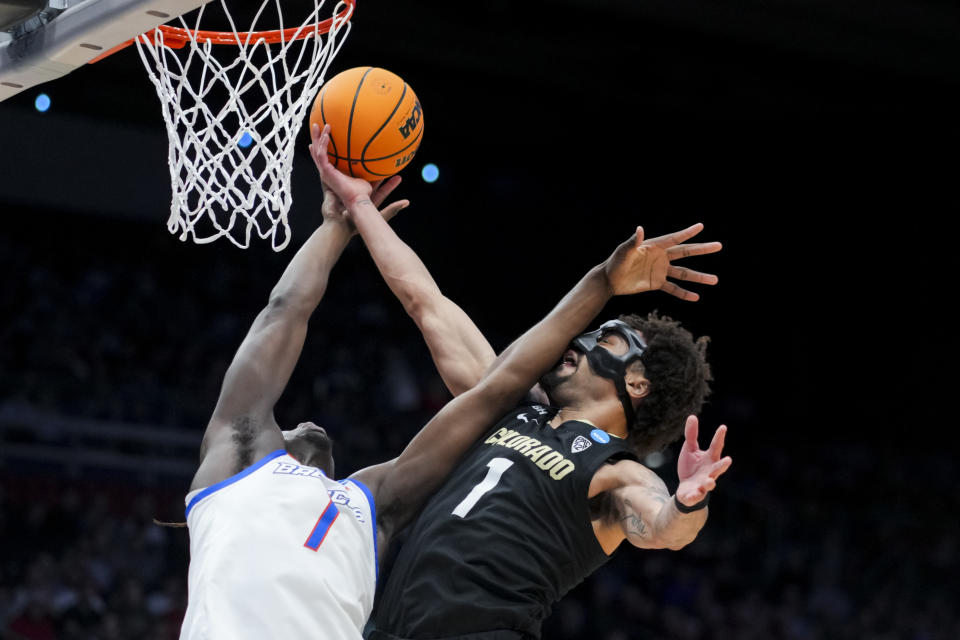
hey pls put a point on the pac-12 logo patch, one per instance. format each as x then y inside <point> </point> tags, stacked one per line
<point>601,436</point>
<point>580,444</point>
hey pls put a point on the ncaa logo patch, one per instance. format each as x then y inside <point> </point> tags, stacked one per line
<point>580,444</point>
<point>599,435</point>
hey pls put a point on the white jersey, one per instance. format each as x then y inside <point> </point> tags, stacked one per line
<point>280,551</point>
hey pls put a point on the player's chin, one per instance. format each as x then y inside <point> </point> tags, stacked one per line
<point>557,375</point>
<point>549,381</point>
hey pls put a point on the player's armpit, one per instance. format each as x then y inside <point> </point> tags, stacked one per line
<point>372,478</point>
<point>230,447</point>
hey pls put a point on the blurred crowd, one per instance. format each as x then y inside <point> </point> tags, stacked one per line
<point>83,560</point>
<point>804,542</point>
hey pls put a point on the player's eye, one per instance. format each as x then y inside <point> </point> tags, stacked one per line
<point>610,337</point>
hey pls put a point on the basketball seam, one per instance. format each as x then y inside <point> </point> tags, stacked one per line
<point>387,157</point>
<point>363,153</point>
<point>353,109</point>
<point>363,162</point>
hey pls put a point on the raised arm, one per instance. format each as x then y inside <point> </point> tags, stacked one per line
<point>642,509</point>
<point>242,428</point>
<point>459,350</point>
<point>401,485</point>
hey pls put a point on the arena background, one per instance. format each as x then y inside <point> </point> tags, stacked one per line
<point>817,140</point>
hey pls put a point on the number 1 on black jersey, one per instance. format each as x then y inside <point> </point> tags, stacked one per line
<point>496,468</point>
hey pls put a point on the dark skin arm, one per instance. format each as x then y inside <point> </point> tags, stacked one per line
<point>402,485</point>
<point>242,428</point>
<point>405,483</point>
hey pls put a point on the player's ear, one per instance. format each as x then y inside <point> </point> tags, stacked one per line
<point>637,384</point>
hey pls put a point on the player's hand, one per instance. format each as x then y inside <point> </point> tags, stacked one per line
<point>334,182</point>
<point>348,189</point>
<point>334,211</point>
<point>640,265</point>
<point>698,470</point>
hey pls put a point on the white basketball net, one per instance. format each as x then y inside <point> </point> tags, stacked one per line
<point>232,120</point>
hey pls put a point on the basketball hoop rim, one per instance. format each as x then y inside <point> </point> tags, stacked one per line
<point>176,38</point>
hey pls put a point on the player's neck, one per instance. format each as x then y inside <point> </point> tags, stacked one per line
<point>591,416</point>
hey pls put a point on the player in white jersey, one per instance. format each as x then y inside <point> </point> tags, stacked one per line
<point>278,548</point>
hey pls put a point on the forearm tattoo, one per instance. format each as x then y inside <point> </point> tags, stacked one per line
<point>657,496</point>
<point>632,524</point>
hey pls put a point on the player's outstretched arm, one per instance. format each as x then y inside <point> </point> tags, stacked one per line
<point>644,512</point>
<point>460,351</point>
<point>242,428</point>
<point>402,485</point>
<point>653,262</point>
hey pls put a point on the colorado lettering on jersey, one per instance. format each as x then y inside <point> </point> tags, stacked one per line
<point>542,455</point>
<point>339,497</point>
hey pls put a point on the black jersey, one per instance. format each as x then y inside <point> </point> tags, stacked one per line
<point>507,535</point>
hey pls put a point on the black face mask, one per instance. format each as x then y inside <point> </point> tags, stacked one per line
<point>608,365</point>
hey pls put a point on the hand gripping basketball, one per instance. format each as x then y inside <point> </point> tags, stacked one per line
<point>349,190</point>
<point>377,122</point>
<point>333,208</point>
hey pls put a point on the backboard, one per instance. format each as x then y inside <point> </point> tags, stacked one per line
<point>41,40</point>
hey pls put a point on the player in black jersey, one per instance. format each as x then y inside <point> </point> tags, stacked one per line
<point>243,430</point>
<point>554,487</point>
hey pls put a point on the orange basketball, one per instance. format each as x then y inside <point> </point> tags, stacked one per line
<point>375,119</point>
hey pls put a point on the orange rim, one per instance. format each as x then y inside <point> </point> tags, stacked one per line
<point>176,38</point>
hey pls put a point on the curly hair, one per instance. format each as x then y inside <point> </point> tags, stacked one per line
<point>675,363</point>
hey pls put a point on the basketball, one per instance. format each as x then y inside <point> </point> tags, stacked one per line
<point>376,122</point>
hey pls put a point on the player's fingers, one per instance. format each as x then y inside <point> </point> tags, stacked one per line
<point>638,238</point>
<point>314,142</point>
<point>383,189</point>
<point>680,292</point>
<point>319,149</point>
<point>677,237</point>
<point>323,140</point>
<point>716,444</point>
<point>323,160</point>
<point>682,273</point>
<point>691,431</point>
<point>720,467</point>
<point>695,249</point>
<point>393,209</point>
